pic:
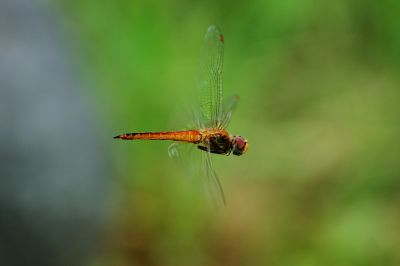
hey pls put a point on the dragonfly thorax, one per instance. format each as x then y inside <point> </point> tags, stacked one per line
<point>220,142</point>
<point>216,141</point>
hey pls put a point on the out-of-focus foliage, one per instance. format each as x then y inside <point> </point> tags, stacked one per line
<point>319,84</point>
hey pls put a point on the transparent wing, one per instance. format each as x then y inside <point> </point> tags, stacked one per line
<point>210,78</point>
<point>185,155</point>
<point>174,151</point>
<point>182,152</point>
<point>212,184</point>
<point>229,105</point>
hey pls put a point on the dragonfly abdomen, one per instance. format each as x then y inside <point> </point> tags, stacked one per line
<point>193,136</point>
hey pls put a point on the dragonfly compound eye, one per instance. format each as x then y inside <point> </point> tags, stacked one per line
<point>240,145</point>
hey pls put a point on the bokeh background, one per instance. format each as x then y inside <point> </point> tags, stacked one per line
<point>319,84</point>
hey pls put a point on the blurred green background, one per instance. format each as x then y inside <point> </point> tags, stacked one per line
<point>319,86</point>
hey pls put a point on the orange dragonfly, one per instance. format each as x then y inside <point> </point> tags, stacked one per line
<point>213,117</point>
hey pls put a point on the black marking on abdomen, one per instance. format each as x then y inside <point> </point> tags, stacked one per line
<point>126,135</point>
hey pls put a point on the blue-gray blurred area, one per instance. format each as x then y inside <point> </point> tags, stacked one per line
<point>53,173</point>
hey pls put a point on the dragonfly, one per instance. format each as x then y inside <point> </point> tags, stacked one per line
<point>209,135</point>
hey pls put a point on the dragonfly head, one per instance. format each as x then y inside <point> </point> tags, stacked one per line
<point>239,145</point>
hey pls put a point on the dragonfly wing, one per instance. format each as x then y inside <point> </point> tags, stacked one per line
<point>229,105</point>
<point>182,152</point>
<point>212,184</point>
<point>210,79</point>
<point>187,157</point>
<point>174,150</point>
